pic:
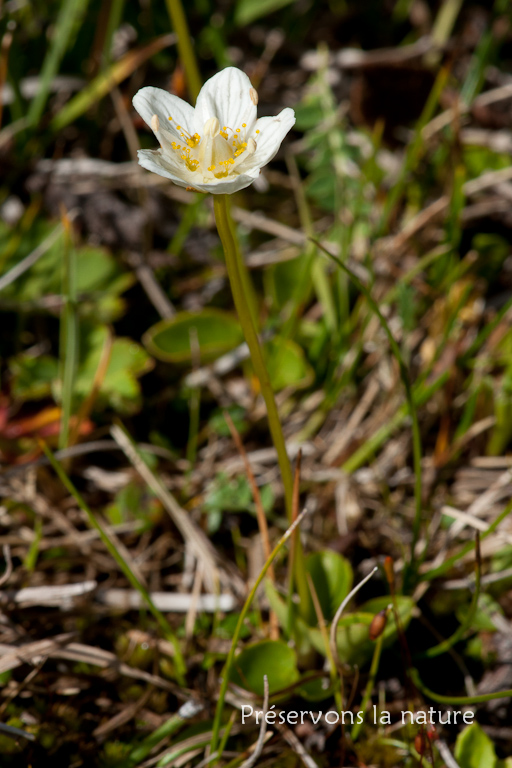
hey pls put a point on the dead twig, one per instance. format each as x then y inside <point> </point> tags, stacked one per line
<point>263,728</point>
<point>337,616</point>
<point>6,551</point>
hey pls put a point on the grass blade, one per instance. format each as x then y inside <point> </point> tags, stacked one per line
<point>69,19</point>
<point>106,80</point>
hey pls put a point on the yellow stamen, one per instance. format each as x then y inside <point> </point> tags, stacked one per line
<point>194,140</point>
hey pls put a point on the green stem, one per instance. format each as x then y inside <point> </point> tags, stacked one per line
<point>454,700</point>
<point>68,337</point>
<point>234,268</point>
<point>124,566</point>
<point>249,294</point>
<point>243,613</point>
<point>371,681</point>
<point>185,49</point>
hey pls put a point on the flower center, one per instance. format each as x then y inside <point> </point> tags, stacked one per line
<point>216,154</point>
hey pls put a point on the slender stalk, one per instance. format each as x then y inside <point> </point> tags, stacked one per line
<point>233,259</point>
<point>250,296</point>
<point>454,700</point>
<point>370,683</point>
<point>194,400</point>
<point>292,568</point>
<point>337,617</point>
<point>185,48</point>
<point>68,334</point>
<point>243,613</point>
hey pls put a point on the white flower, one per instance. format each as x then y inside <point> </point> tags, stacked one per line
<point>217,147</point>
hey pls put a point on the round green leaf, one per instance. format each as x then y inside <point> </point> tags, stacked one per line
<point>287,365</point>
<point>354,645</point>
<point>217,332</point>
<point>315,690</point>
<point>474,748</point>
<point>332,576</point>
<point>269,657</point>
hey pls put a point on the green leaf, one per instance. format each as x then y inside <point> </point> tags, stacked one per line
<point>99,279</point>
<point>273,658</point>
<point>482,620</point>
<point>217,422</point>
<point>287,365</point>
<point>332,576</point>
<point>217,333</point>
<point>36,378</point>
<point>128,361</point>
<point>474,749</point>
<point>32,377</point>
<point>247,11</point>
<point>315,690</point>
<point>302,640</point>
<point>234,494</point>
<point>353,643</point>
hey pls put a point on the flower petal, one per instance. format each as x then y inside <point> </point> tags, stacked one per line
<point>158,162</point>
<point>151,101</point>
<point>272,131</point>
<point>229,185</point>
<point>226,96</point>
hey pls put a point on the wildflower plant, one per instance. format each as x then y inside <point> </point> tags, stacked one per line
<point>220,147</point>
